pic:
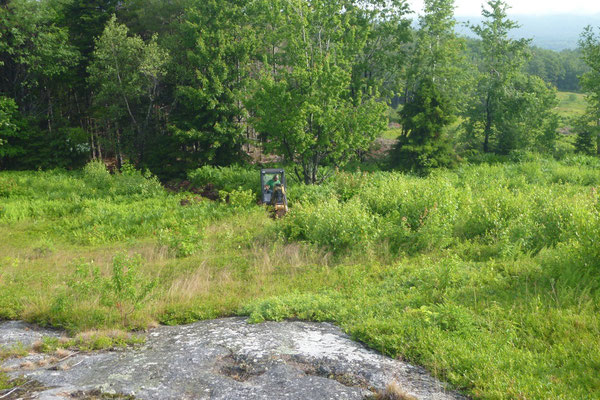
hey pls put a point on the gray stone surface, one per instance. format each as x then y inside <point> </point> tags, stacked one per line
<point>14,333</point>
<point>231,359</point>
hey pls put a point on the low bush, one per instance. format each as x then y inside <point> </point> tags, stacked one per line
<point>337,226</point>
<point>519,208</point>
<point>239,198</point>
<point>227,178</point>
<point>182,241</point>
<point>89,292</point>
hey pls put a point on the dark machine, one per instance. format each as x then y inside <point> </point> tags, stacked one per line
<point>273,190</point>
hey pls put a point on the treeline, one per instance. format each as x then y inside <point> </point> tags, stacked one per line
<point>173,85</point>
<point>561,69</point>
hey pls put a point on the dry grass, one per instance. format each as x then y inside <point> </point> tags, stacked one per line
<point>62,353</point>
<point>62,367</point>
<point>393,391</point>
<point>188,287</point>
<point>44,362</point>
<point>27,365</point>
<point>38,346</point>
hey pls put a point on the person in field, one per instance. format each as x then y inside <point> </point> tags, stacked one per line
<point>272,182</point>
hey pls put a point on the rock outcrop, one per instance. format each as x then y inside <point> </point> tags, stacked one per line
<point>228,359</point>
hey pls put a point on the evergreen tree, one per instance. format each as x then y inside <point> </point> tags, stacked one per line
<point>435,80</point>
<point>585,142</point>
<point>423,145</point>
<point>211,69</point>
<point>86,20</point>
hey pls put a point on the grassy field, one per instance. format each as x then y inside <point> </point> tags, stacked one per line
<point>571,104</point>
<point>488,276</point>
<point>391,133</point>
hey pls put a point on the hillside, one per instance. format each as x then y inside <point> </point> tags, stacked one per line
<point>487,275</point>
<point>553,32</point>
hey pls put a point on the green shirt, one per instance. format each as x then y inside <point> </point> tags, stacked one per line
<point>271,183</point>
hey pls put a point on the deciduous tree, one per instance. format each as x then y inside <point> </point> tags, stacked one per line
<point>125,73</point>
<point>509,110</point>
<point>308,106</point>
<point>589,44</point>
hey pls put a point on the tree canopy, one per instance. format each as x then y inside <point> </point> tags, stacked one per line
<point>174,85</point>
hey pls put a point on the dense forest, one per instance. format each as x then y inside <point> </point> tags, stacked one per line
<point>173,85</point>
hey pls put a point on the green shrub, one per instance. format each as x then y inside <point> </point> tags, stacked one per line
<point>227,178</point>
<point>182,241</point>
<point>239,198</point>
<point>337,226</point>
<point>517,208</point>
<point>97,176</point>
<point>314,307</point>
<point>124,291</point>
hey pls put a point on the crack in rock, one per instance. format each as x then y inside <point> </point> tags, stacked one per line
<point>239,369</point>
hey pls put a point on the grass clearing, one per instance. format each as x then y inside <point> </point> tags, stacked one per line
<point>488,275</point>
<point>391,133</point>
<point>571,104</point>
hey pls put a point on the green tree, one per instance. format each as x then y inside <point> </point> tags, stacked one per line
<point>149,17</point>
<point>527,119</point>
<point>585,142</point>
<point>9,128</point>
<point>308,107</point>
<point>434,82</point>
<point>384,55</point>
<point>510,109</point>
<point>211,68</point>
<point>85,21</point>
<point>423,145</point>
<point>36,62</point>
<point>126,74</point>
<point>34,55</point>
<point>589,44</point>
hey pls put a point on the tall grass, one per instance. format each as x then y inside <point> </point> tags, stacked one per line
<point>487,275</point>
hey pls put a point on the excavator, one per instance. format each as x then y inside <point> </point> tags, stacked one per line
<point>273,191</point>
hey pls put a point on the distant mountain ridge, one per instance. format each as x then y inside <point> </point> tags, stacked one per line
<point>554,32</point>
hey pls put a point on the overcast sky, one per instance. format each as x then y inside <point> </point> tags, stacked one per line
<point>520,7</point>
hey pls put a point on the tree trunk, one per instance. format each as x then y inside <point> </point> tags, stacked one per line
<point>598,138</point>
<point>92,144</point>
<point>98,143</point>
<point>119,155</point>
<point>488,126</point>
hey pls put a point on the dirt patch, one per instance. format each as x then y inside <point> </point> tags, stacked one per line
<point>381,148</point>
<point>239,369</point>
<point>208,191</point>
<point>325,371</point>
